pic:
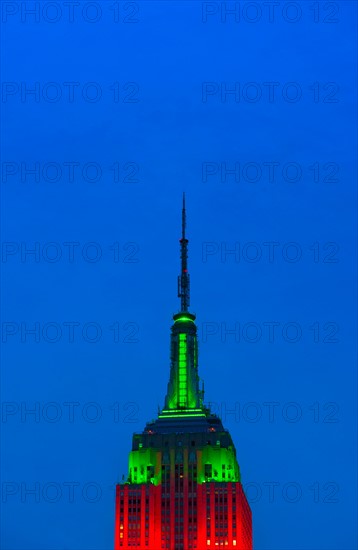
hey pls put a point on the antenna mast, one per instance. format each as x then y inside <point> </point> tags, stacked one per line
<point>184,279</point>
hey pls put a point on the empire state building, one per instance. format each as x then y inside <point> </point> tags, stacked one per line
<point>183,489</point>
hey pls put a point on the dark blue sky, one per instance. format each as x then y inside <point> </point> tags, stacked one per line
<point>130,101</point>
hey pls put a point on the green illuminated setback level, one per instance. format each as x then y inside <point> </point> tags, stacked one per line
<point>215,463</point>
<point>218,464</point>
<point>142,466</point>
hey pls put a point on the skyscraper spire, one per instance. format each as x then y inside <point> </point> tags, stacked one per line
<point>183,394</point>
<point>184,278</point>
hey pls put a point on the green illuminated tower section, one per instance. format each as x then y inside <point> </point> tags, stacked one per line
<point>183,394</point>
<point>183,489</point>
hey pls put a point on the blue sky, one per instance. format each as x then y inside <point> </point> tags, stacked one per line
<point>134,103</point>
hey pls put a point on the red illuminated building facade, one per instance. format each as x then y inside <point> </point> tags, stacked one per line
<point>184,487</point>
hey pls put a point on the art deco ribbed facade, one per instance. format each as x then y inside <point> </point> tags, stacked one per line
<point>184,487</point>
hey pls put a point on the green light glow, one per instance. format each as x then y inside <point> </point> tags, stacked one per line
<point>183,394</point>
<point>215,463</point>
<point>181,410</point>
<point>143,466</point>
<point>183,387</point>
<point>177,413</point>
<point>182,375</point>
<point>180,414</point>
<point>218,464</point>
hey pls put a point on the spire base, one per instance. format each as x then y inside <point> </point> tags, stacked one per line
<point>184,317</point>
